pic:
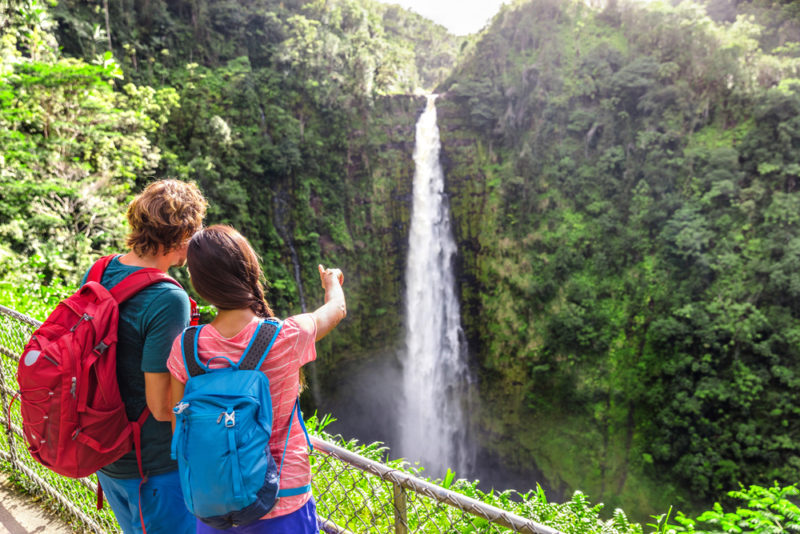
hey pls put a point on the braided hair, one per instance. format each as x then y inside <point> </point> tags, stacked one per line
<point>225,270</point>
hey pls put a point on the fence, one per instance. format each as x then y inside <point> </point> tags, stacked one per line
<point>354,494</point>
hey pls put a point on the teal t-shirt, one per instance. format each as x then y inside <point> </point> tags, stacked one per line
<point>148,323</point>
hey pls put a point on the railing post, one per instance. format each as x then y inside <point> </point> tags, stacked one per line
<point>400,509</point>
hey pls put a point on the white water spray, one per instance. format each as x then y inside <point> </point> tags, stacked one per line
<point>435,372</point>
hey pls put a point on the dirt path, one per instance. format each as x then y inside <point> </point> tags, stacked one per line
<point>22,514</point>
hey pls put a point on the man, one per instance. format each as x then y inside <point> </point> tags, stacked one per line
<point>162,219</point>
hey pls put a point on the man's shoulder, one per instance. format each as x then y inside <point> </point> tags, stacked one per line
<point>164,294</point>
<point>159,302</point>
<point>117,271</point>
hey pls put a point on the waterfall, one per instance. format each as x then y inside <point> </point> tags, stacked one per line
<point>435,373</point>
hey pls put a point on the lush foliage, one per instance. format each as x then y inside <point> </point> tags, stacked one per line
<point>274,108</point>
<point>765,511</point>
<point>624,184</point>
<point>280,120</point>
<point>71,147</point>
<point>369,499</point>
<point>630,241</point>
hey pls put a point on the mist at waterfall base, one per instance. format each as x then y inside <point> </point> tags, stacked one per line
<point>420,399</point>
<point>365,404</point>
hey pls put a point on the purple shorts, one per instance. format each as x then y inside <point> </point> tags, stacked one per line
<point>301,521</point>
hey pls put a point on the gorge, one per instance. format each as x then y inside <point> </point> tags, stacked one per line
<point>622,183</point>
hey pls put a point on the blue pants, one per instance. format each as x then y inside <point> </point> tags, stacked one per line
<point>302,521</point>
<point>162,504</point>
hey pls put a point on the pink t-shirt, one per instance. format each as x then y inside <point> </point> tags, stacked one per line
<point>293,348</point>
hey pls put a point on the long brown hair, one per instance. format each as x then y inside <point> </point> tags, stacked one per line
<point>225,270</point>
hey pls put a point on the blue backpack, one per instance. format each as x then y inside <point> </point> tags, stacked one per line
<point>221,440</point>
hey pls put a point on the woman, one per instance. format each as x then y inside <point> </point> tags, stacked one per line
<point>225,271</point>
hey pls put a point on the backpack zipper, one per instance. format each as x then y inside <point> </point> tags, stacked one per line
<point>84,317</point>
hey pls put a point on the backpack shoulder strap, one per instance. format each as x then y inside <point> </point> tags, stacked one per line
<point>189,351</point>
<point>138,280</point>
<point>259,347</point>
<point>99,267</point>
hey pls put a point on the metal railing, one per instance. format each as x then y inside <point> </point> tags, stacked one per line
<point>354,494</point>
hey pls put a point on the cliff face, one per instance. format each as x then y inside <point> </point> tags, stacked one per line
<point>615,207</point>
<point>377,189</point>
<point>359,371</point>
<point>474,170</point>
<point>469,163</point>
<point>529,426</point>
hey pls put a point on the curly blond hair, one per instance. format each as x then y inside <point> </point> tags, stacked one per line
<point>164,216</point>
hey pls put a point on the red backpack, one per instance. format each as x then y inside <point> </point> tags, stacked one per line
<point>73,417</point>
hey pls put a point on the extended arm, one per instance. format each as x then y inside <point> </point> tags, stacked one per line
<point>334,310</point>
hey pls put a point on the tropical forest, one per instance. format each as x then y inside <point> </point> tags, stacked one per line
<point>619,189</point>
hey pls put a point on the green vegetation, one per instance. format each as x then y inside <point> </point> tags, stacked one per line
<point>623,181</point>
<point>630,291</point>
<point>278,110</point>
<point>71,148</point>
<point>766,510</point>
<point>369,499</point>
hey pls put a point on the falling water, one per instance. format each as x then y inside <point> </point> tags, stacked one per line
<point>435,373</point>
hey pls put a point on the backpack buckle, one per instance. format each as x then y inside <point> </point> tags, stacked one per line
<point>100,348</point>
<point>230,419</point>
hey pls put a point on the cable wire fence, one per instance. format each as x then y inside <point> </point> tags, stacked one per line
<point>354,494</point>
